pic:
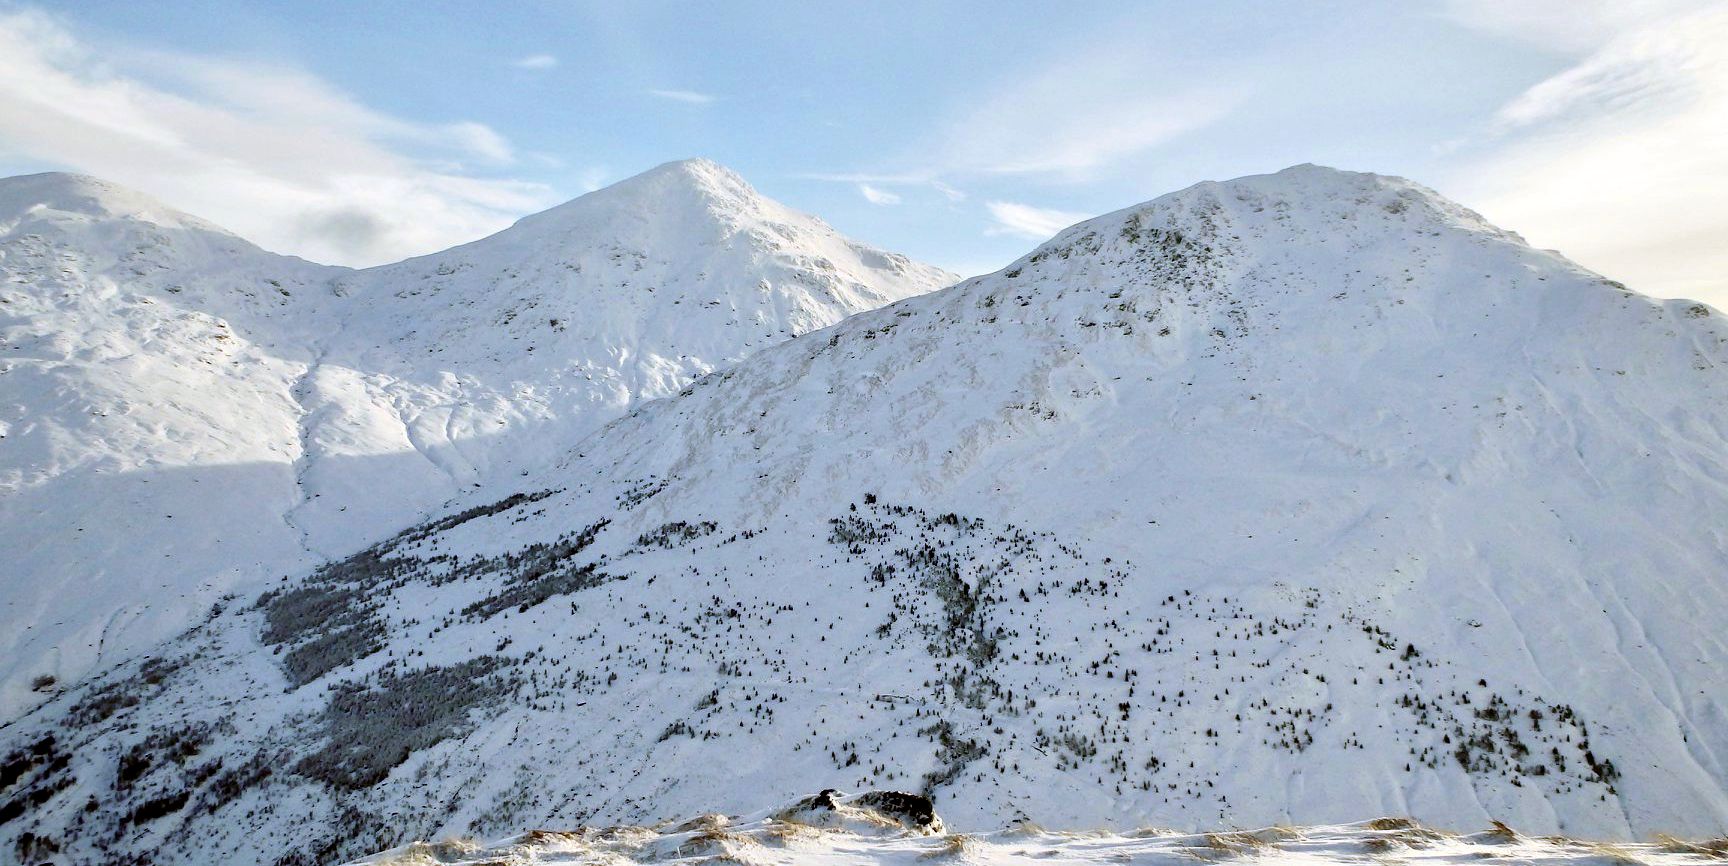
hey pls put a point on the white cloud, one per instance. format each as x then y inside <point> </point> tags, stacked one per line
<point>877,196</point>
<point>870,184</point>
<point>273,153</point>
<point>1075,117</point>
<point>690,97</point>
<point>481,140</point>
<point>1618,161</point>
<point>867,177</point>
<point>952,193</point>
<point>1013,218</point>
<point>1573,26</point>
<point>536,61</point>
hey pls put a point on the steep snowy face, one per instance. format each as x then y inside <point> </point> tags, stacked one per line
<point>1298,498</point>
<point>185,415</point>
<point>147,430</point>
<point>656,278</point>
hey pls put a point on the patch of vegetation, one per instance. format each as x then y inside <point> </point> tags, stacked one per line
<point>370,730</point>
<point>37,772</point>
<point>953,753</point>
<point>108,699</point>
<point>543,571</point>
<point>16,765</point>
<point>332,619</point>
<point>639,493</point>
<point>32,848</point>
<point>675,534</point>
<point>229,784</point>
<point>350,833</point>
<point>165,746</point>
<point>157,807</point>
<point>451,521</point>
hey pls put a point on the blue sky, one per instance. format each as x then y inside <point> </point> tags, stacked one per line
<point>958,133</point>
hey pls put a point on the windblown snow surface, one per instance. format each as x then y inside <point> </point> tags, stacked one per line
<point>834,829</point>
<point>1295,499</point>
<point>184,415</point>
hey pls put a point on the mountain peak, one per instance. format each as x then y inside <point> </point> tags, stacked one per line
<point>58,197</point>
<point>698,170</point>
<point>1301,205</point>
<point>684,187</point>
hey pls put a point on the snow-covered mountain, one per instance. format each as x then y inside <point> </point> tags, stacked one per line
<point>185,415</point>
<point>147,364</point>
<point>1300,498</point>
<point>487,361</point>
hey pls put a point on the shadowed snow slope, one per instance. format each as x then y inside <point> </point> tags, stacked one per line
<point>1299,498</point>
<point>185,415</point>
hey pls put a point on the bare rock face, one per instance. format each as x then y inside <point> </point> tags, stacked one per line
<point>913,810</point>
<point>873,810</point>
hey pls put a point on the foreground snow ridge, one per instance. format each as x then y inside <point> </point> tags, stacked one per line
<point>878,827</point>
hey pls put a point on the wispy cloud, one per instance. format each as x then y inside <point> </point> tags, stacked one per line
<point>949,192</point>
<point>690,97</point>
<point>1573,26</point>
<point>1074,115</point>
<point>877,196</point>
<point>1024,220</point>
<point>273,153</point>
<point>1618,160</point>
<point>535,61</point>
<point>867,177</point>
<point>871,184</point>
<point>1653,70</point>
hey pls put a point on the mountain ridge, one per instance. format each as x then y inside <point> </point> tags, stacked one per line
<point>1290,499</point>
<point>151,358</point>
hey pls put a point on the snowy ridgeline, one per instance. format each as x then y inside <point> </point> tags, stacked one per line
<point>1295,499</point>
<point>185,415</point>
<point>836,830</point>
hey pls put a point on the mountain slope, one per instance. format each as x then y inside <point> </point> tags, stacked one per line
<point>146,363</point>
<point>1298,498</point>
<point>186,415</point>
<point>490,359</point>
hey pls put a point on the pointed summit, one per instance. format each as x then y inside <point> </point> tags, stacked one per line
<point>697,197</point>
<point>697,172</point>
<point>690,238</point>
